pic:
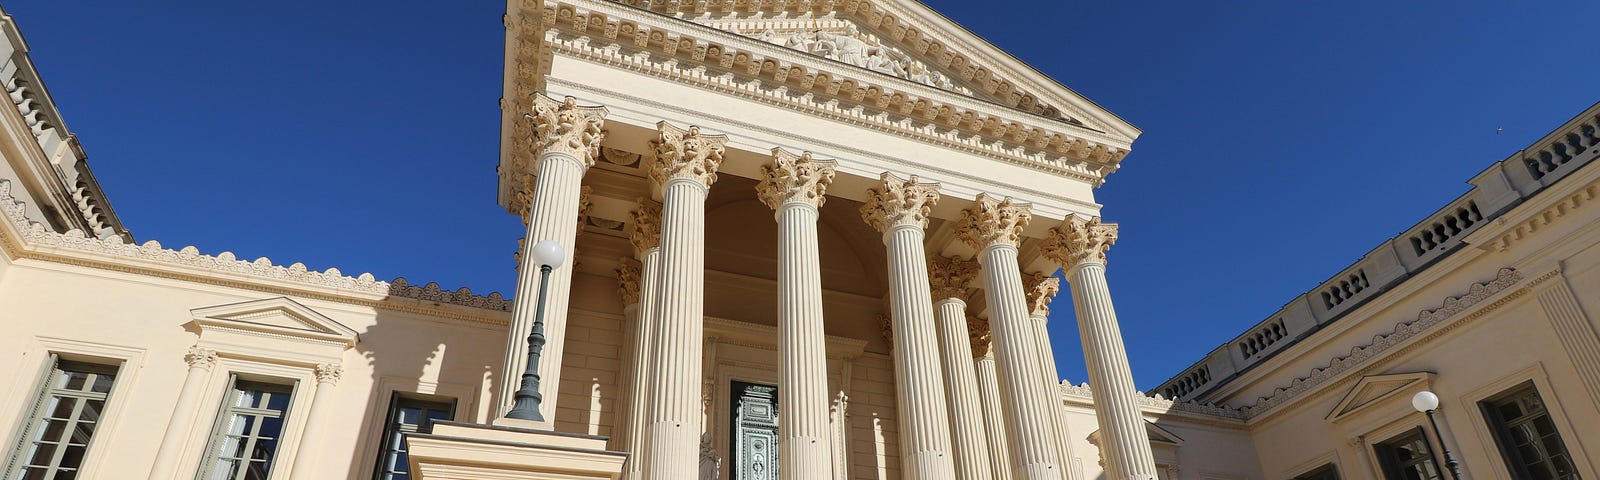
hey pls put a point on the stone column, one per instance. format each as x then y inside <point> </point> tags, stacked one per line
<point>899,209</point>
<point>568,140</point>
<point>994,228</point>
<point>994,428</point>
<point>1039,289</point>
<point>1080,245</point>
<point>951,281</point>
<point>322,405</point>
<point>686,166</point>
<point>793,185</point>
<point>645,234</point>
<point>628,276</point>
<point>201,362</point>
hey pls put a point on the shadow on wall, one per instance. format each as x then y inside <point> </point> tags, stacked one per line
<point>417,358</point>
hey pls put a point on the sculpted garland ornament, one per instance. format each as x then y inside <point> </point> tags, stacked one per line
<point>794,178</point>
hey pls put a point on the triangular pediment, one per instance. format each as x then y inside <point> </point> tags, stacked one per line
<point>1374,388</point>
<point>280,316</point>
<point>1159,436</point>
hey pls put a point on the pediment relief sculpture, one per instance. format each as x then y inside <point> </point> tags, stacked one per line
<point>849,45</point>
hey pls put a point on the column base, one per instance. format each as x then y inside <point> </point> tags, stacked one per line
<point>472,451</point>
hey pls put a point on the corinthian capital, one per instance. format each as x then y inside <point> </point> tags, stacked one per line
<point>645,230</point>
<point>1080,240</point>
<point>565,127</point>
<point>686,154</point>
<point>990,221</point>
<point>978,334</point>
<point>201,357</point>
<point>794,178</point>
<point>1039,289</point>
<point>628,272</point>
<point>899,202</point>
<point>951,277</point>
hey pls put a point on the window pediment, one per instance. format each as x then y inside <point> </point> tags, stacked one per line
<point>1373,389</point>
<point>273,328</point>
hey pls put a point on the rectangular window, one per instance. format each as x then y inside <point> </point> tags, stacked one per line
<point>245,440</point>
<point>1407,457</point>
<point>62,421</point>
<point>1325,472</point>
<point>407,415</point>
<point>1527,437</point>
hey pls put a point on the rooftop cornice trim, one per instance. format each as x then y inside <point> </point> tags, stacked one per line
<point>1362,356</point>
<point>687,40</point>
<point>24,238</point>
<point>1083,394</point>
<point>926,32</point>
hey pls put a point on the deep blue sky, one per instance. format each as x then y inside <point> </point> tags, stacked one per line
<point>1282,140</point>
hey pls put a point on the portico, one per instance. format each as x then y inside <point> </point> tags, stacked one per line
<point>794,169</point>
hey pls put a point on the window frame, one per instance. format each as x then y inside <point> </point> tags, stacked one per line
<point>1324,469</point>
<point>396,399</point>
<point>1500,431</point>
<point>218,425</point>
<point>1384,451</point>
<point>53,367</point>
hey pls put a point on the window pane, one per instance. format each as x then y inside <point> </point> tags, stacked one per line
<point>405,415</point>
<point>1527,435</point>
<point>246,442</point>
<point>60,429</point>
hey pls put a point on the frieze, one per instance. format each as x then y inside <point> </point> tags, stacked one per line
<point>1426,320</point>
<point>36,235</point>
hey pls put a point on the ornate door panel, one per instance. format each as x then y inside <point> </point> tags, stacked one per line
<point>755,432</point>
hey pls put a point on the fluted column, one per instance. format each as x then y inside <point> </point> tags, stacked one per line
<point>1039,289</point>
<point>568,140</point>
<point>1079,245</point>
<point>645,234</point>
<point>686,166</point>
<point>994,427</point>
<point>899,209</point>
<point>305,460</point>
<point>793,185</point>
<point>201,362</point>
<point>994,227</point>
<point>951,281</point>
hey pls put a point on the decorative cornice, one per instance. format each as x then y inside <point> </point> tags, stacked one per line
<point>199,357</point>
<point>644,232</point>
<point>329,373</point>
<point>37,241</point>
<point>993,222</point>
<point>628,270</point>
<point>1080,240</point>
<point>686,154</point>
<point>621,36</point>
<point>951,277</point>
<point>794,178</point>
<point>1403,331</point>
<point>899,202</point>
<point>1039,289</point>
<point>1084,394</point>
<point>1546,217</point>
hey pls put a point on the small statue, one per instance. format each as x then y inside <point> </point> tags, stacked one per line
<point>710,462</point>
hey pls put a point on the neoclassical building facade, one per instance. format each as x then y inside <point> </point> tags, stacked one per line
<point>808,239</point>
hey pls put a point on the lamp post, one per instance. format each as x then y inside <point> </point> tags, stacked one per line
<point>547,255</point>
<point>1426,402</point>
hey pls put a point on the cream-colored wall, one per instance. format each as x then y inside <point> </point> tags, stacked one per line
<point>1211,448</point>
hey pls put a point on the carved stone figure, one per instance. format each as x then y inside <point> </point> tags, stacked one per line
<point>710,462</point>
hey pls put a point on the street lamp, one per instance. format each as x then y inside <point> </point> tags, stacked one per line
<point>547,255</point>
<point>1426,402</point>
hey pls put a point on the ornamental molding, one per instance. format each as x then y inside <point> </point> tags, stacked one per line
<point>26,238</point>
<point>1365,357</point>
<point>897,202</point>
<point>628,272</point>
<point>1039,289</point>
<point>840,40</point>
<point>951,277</point>
<point>329,373</point>
<point>1079,240</point>
<point>1546,217</point>
<point>686,154</point>
<point>794,178</point>
<point>644,232</point>
<point>201,357</point>
<point>989,222</point>
<point>1084,395</point>
<point>651,44</point>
